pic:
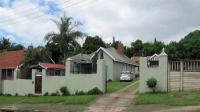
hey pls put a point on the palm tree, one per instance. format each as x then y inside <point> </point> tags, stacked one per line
<point>67,36</point>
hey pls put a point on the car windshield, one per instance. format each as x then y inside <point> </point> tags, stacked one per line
<point>125,72</point>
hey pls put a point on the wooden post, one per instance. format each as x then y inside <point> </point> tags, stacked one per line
<point>181,76</point>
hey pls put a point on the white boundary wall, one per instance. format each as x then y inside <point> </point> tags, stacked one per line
<point>160,73</point>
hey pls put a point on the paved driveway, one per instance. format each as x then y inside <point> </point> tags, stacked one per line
<point>114,102</point>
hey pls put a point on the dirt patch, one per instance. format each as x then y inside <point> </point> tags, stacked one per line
<point>114,102</point>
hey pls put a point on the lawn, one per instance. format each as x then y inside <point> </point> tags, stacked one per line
<point>173,98</point>
<point>74,100</point>
<point>117,85</point>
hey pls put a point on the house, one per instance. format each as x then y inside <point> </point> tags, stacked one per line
<point>136,59</point>
<point>115,62</point>
<point>45,77</point>
<point>48,77</point>
<point>11,80</point>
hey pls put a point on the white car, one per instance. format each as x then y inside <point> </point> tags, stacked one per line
<point>126,76</point>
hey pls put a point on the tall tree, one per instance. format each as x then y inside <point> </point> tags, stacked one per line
<point>66,38</point>
<point>137,47</point>
<point>92,44</point>
<point>189,46</point>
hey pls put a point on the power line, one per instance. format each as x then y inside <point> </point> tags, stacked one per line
<point>26,13</point>
<point>74,4</point>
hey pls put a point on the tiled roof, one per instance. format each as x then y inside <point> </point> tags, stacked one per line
<point>11,59</point>
<point>117,57</point>
<point>81,58</point>
<point>135,58</point>
<point>49,65</point>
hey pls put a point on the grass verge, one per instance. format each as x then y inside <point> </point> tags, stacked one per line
<point>173,98</point>
<point>117,85</point>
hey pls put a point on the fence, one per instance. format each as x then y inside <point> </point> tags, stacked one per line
<point>184,75</point>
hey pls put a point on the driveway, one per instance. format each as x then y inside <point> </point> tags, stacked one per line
<point>114,102</point>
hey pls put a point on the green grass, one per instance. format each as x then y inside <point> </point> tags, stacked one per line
<point>117,85</point>
<point>173,98</point>
<point>74,100</point>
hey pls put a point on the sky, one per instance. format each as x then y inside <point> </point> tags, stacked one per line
<point>28,21</point>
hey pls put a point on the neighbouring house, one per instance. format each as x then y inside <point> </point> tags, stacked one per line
<point>115,62</point>
<point>48,77</point>
<point>11,77</point>
<point>87,71</point>
<point>44,77</point>
<point>136,59</point>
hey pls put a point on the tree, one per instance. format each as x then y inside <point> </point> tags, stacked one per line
<point>92,44</point>
<point>6,45</point>
<point>189,46</point>
<point>172,51</point>
<point>137,47</point>
<point>66,38</point>
<point>35,55</point>
<point>115,44</point>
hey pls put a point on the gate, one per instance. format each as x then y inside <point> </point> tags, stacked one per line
<point>184,75</point>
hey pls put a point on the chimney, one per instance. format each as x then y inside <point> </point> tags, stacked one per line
<point>120,48</point>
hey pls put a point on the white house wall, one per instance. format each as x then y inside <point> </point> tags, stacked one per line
<point>160,73</point>
<point>85,82</point>
<point>51,84</point>
<point>19,86</point>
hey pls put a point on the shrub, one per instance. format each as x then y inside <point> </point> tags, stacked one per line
<point>94,91</point>
<point>16,94</point>
<point>30,95</point>
<point>7,95</point>
<point>109,80</point>
<point>64,91</point>
<point>80,93</point>
<point>46,94</point>
<point>151,83</point>
<point>55,94</point>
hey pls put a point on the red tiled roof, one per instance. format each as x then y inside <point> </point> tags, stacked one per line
<point>11,59</point>
<point>135,58</point>
<point>49,65</point>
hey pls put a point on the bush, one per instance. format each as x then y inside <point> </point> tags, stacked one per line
<point>7,95</point>
<point>16,94</point>
<point>80,93</point>
<point>94,91</point>
<point>55,94</point>
<point>109,80</point>
<point>64,91</point>
<point>30,95</point>
<point>46,94</point>
<point>151,83</point>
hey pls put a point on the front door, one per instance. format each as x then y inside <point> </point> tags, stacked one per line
<point>38,84</point>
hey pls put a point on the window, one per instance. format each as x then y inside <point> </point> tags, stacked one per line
<point>7,74</point>
<point>24,73</point>
<point>152,63</point>
<point>55,72</point>
<point>83,68</point>
<point>101,55</point>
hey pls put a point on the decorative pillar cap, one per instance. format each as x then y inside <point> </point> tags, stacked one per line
<point>163,52</point>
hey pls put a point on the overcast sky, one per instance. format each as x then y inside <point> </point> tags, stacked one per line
<point>27,21</point>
